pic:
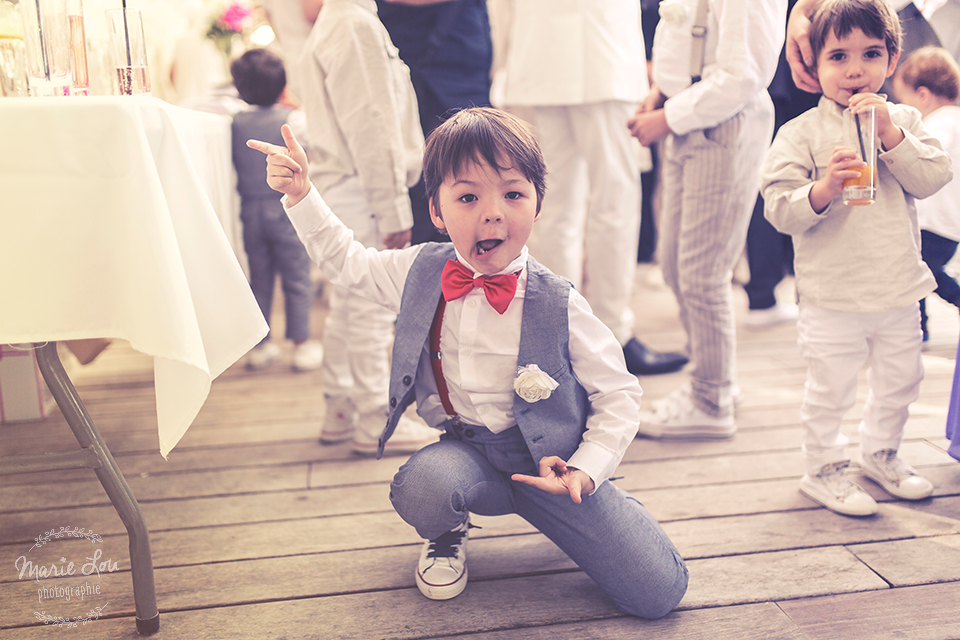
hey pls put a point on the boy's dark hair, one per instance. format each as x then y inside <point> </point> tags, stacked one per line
<point>933,68</point>
<point>874,18</point>
<point>259,77</point>
<point>482,134</point>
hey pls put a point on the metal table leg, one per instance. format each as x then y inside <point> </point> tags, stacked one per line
<point>144,592</point>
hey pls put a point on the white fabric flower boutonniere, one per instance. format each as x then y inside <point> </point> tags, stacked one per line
<point>532,384</point>
<point>673,11</point>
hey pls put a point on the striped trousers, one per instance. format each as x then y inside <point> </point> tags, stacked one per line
<point>710,182</point>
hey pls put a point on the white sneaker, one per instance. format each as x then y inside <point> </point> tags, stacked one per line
<point>262,355</point>
<point>409,437</point>
<point>834,490</point>
<point>780,313</point>
<point>895,476</point>
<point>341,420</point>
<point>677,417</point>
<point>307,356</point>
<point>442,569</point>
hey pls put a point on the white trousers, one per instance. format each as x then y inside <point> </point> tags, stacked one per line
<point>710,182</point>
<point>589,226</point>
<point>836,345</point>
<point>358,333</point>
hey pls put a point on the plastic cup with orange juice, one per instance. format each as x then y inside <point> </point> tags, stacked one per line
<point>862,190</point>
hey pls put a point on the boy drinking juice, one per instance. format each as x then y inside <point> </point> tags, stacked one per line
<point>858,268</point>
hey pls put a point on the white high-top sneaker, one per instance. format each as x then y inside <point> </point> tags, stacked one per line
<point>442,569</point>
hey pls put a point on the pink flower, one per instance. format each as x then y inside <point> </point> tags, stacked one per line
<point>236,17</point>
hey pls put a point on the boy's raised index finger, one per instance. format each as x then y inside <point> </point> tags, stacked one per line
<point>266,147</point>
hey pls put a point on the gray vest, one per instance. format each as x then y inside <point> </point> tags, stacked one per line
<point>260,123</point>
<point>553,426</point>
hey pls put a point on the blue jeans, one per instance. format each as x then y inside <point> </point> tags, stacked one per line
<point>610,535</point>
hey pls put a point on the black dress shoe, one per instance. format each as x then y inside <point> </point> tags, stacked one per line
<point>643,361</point>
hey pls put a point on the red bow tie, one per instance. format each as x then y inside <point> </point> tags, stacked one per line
<point>457,280</point>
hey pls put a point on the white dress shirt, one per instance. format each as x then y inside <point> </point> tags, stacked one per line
<point>743,43</point>
<point>480,346</point>
<point>361,110</point>
<point>567,52</point>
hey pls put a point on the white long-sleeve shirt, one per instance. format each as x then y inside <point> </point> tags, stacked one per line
<point>480,346</point>
<point>862,259</point>
<point>743,43</point>
<point>361,110</point>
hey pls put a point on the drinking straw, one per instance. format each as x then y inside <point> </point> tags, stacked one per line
<point>863,151</point>
<point>43,43</point>
<point>126,34</point>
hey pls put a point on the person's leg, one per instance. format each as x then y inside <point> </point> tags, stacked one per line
<point>648,226</point>
<point>834,345</point>
<point>718,189</point>
<point>937,251</point>
<point>616,542</point>
<point>609,535</point>
<point>260,258</point>
<point>557,239</point>
<point>612,225</point>
<point>367,328</point>
<point>440,485</point>
<point>337,374</point>
<point>764,258</point>
<point>294,266</point>
<point>340,364</point>
<point>894,376</point>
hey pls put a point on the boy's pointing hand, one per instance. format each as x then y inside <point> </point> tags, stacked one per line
<point>559,479</point>
<point>286,166</point>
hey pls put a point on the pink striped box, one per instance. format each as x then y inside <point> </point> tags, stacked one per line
<point>23,393</point>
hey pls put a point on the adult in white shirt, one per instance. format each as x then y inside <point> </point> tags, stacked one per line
<point>576,70</point>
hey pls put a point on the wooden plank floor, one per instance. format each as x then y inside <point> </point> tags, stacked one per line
<point>259,532</point>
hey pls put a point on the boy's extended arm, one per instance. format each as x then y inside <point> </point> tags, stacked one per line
<point>787,178</point>
<point>613,393</point>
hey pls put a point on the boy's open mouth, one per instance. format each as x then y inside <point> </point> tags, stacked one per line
<point>487,245</point>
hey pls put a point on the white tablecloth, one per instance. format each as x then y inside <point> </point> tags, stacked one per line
<point>106,230</point>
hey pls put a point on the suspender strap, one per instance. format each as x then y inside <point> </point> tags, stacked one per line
<point>435,359</point>
<point>699,42</point>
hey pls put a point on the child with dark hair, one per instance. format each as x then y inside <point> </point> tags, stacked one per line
<point>858,268</point>
<point>531,390</point>
<point>270,242</point>
<point>929,81</point>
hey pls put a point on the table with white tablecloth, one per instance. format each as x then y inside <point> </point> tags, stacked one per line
<point>107,231</point>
